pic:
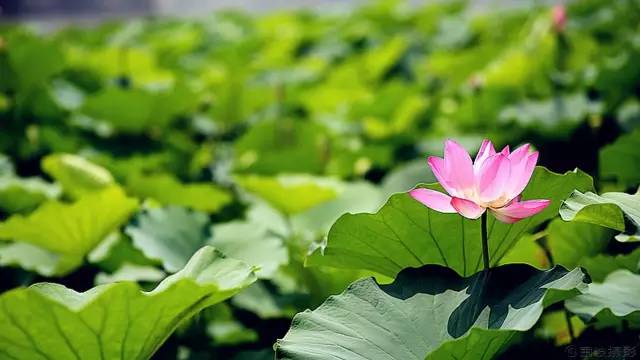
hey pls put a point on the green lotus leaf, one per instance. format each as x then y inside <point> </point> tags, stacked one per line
<point>290,194</point>
<point>351,197</point>
<point>168,190</point>
<point>428,312</point>
<point>34,60</point>
<point>137,110</point>
<point>405,233</point>
<point>610,210</point>
<point>570,242</point>
<point>77,175</point>
<point>21,195</point>
<point>63,234</point>
<point>118,320</point>
<point>171,235</point>
<point>131,272</point>
<point>601,265</point>
<point>252,243</point>
<point>621,160</point>
<point>615,297</point>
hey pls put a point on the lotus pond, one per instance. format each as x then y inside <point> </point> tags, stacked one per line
<point>391,182</point>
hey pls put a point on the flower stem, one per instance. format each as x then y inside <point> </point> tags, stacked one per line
<point>485,241</point>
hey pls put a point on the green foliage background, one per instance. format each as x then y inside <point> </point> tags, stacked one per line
<point>128,146</point>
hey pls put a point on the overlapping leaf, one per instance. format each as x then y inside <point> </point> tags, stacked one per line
<point>621,160</point>
<point>171,235</point>
<point>21,195</point>
<point>169,191</point>
<point>615,297</point>
<point>289,194</point>
<point>612,210</point>
<point>428,312</point>
<point>56,237</point>
<point>75,174</point>
<point>118,320</point>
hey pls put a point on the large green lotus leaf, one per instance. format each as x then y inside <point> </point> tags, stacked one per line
<point>63,233</point>
<point>252,243</point>
<point>21,195</point>
<point>610,210</point>
<point>601,265</point>
<point>171,235</point>
<point>570,242</point>
<point>427,308</point>
<point>563,243</point>
<point>75,174</point>
<point>616,297</point>
<point>405,233</point>
<point>621,160</point>
<point>291,194</point>
<point>114,321</point>
<point>168,190</point>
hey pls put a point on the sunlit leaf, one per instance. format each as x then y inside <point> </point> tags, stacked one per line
<point>426,308</point>
<point>252,243</point>
<point>289,194</point>
<point>616,296</point>
<point>117,320</point>
<point>166,189</point>
<point>21,195</point>
<point>171,235</point>
<point>77,175</point>
<point>610,210</point>
<point>64,233</point>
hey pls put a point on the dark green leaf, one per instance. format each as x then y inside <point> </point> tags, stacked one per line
<point>425,309</point>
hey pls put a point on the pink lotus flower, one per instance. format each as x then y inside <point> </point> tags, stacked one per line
<point>559,17</point>
<point>493,181</point>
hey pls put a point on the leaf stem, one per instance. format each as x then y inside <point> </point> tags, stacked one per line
<point>567,317</point>
<point>485,241</point>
